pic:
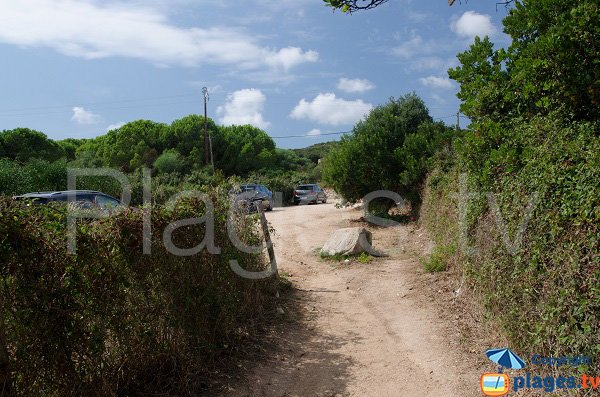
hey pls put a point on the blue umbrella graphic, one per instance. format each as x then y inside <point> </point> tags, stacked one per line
<point>505,358</point>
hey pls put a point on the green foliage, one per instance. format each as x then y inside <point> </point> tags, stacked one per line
<point>23,144</point>
<point>547,296</point>
<point>175,148</point>
<point>129,147</point>
<point>169,161</point>
<point>111,321</point>
<point>534,108</point>
<point>350,6</point>
<point>239,149</point>
<point>550,67</point>
<point>438,260</point>
<point>389,150</point>
<point>35,175</point>
<point>317,151</point>
<point>186,136</point>
<point>364,258</point>
<point>69,146</point>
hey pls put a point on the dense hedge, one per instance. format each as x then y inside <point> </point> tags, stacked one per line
<point>547,295</point>
<point>389,150</point>
<point>109,320</point>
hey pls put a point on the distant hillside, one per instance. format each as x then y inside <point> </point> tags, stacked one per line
<point>316,151</point>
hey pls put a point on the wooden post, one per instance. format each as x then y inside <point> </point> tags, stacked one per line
<point>265,228</point>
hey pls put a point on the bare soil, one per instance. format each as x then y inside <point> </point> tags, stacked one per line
<point>383,328</point>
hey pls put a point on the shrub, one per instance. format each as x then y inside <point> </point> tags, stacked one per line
<point>169,161</point>
<point>547,295</point>
<point>389,150</point>
<point>109,320</point>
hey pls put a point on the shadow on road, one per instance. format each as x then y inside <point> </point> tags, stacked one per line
<point>296,358</point>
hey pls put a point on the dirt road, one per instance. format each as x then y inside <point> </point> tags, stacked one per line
<point>373,329</point>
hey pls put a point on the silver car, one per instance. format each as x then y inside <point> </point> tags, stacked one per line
<point>310,193</point>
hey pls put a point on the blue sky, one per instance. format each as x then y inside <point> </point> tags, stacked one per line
<point>76,68</point>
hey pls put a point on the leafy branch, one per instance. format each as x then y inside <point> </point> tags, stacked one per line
<point>353,5</point>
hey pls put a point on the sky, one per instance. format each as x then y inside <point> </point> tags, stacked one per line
<point>294,68</point>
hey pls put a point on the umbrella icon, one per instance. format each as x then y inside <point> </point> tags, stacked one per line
<point>505,358</point>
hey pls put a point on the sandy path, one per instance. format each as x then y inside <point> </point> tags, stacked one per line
<point>366,329</point>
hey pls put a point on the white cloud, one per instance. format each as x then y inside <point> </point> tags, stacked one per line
<point>83,116</point>
<point>415,45</point>
<point>288,57</point>
<point>91,30</point>
<point>244,107</point>
<point>115,126</point>
<point>327,109</point>
<point>471,24</point>
<point>436,82</point>
<point>314,132</point>
<point>355,85</point>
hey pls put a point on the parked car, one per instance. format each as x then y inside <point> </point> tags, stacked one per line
<point>85,199</point>
<point>250,193</point>
<point>310,193</point>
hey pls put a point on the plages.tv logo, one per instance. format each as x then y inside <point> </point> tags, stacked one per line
<point>498,384</point>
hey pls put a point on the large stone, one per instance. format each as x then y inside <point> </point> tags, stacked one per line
<point>348,241</point>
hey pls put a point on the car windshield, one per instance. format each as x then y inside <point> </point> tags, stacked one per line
<point>306,187</point>
<point>106,202</point>
<point>248,188</point>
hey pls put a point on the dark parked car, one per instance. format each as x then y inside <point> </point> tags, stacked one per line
<point>85,199</point>
<point>311,193</point>
<point>249,193</point>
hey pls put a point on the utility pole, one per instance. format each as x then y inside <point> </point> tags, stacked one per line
<point>458,121</point>
<point>206,144</point>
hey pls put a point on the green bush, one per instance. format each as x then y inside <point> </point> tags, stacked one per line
<point>23,144</point>
<point>35,175</point>
<point>169,161</point>
<point>438,260</point>
<point>535,122</point>
<point>389,150</point>
<point>111,321</point>
<point>547,295</point>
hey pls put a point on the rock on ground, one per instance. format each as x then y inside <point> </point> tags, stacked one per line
<point>348,241</point>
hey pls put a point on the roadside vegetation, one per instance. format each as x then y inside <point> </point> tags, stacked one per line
<point>109,320</point>
<point>533,142</point>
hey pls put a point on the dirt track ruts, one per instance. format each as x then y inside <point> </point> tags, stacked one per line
<point>365,329</point>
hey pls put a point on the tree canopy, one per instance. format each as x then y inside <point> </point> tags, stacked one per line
<point>23,144</point>
<point>551,65</point>
<point>388,150</point>
<point>176,148</point>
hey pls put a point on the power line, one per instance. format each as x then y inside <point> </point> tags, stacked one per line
<point>347,132</point>
<point>311,136</point>
<point>445,117</point>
